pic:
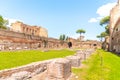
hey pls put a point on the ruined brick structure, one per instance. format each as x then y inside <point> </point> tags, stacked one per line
<point>23,36</point>
<point>115,41</point>
<point>27,29</point>
<point>85,44</point>
<point>115,28</point>
<point>54,69</point>
<point>10,40</point>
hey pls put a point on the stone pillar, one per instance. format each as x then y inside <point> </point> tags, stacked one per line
<point>81,54</point>
<point>59,69</point>
<point>75,61</point>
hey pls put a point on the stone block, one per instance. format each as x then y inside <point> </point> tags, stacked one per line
<point>59,69</point>
<point>75,60</point>
<point>81,55</point>
<point>79,51</point>
<point>21,75</point>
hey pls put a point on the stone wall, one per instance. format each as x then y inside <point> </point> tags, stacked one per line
<point>115,41</point>
<point>84,44</point>
<point>27,29</point>
<point>114,17</point>
<point>10,40</point>
<point>59,69</point>
<point>27,71</point>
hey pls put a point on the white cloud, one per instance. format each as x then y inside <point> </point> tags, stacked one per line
<point>93,20</point>
<point>11,21</point>
<point>102,11</point>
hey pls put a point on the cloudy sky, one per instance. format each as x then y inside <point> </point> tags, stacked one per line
<point>59,16</point>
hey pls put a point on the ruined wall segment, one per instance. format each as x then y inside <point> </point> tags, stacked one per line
<point>28,29</point>
<point>43,32</point>
<point>114,17</point>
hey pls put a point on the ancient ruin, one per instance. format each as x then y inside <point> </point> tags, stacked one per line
<point>22,36</point>
<point>54,69</point>
<point>114,29</point>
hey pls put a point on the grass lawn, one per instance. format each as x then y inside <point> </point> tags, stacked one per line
<point>17,58</point>
<point>101,65</point>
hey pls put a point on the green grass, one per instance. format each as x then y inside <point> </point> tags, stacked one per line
<point>18,58</point>
<point>101,65</point>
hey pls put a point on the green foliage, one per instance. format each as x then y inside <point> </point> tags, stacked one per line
<point>3,23</point>
<point>67,38</point>
<point>102,35</point>
<point>60,37</point>
<point>98,36</point>
<point>63,37</point>
<point>107,29</point>
<point>80,31</point>
<point>101,65</point>
<point>17,58</point>
<point>105,20</point>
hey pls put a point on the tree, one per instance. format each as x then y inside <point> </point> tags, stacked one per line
<point>3,23</point>
<point>80,31</point>
<point>102,35</point>
<point>63,38</point>
<point>67,38</point>
<point>105,21</point>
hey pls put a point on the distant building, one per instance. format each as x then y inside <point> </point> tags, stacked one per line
<point>27,29</point>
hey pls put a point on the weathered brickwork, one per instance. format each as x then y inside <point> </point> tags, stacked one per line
<point>115,38</point>
<point>59,69</point>
<point>27,29</point>
<point>74,60</point>
<point>84,44</point>
<point>10,40</point>
<point>114,44</point>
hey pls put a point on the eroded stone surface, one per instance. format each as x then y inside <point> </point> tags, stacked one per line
<point>74,60</point>
<point>59,69</point>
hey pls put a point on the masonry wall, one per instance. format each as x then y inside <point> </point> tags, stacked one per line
<point>27,29</point>
<point>114,16</point>
<point>10,40</point>
<point>115,40</point>
<point>43,32</point>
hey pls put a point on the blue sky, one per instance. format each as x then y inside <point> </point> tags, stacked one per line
<point>59,16</point>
